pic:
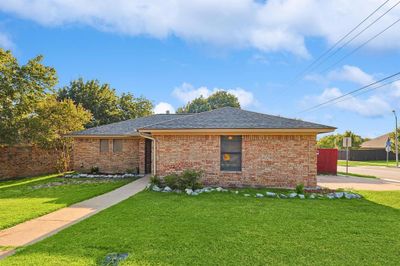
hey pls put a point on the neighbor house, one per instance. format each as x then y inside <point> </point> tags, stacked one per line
<point>378,143</point>
<point>233,147</point>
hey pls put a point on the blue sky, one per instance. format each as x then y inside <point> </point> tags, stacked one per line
<point>173,53</point>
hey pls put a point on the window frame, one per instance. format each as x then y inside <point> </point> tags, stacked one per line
<point>100,145</point>
<point>239,152</point>
<point>122,145</point>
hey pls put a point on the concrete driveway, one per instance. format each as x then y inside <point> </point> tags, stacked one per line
<point>357,183</point>
<point>382,172</point>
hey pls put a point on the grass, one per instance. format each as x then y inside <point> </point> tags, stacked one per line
<point>229,229</point>
<point>357,175</point>
<point>20,202</point>
<point>367,163</point>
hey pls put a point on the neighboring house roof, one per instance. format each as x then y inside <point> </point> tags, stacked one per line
<point>218,119</point>
<point>127,127</point>
<point>376,143</point>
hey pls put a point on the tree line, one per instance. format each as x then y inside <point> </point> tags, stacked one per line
<point>33,110</point>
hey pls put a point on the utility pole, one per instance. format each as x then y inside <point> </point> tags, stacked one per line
<point>396,140</point>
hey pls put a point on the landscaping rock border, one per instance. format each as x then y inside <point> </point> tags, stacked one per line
<point>104,176</point>
<point>267,194</point>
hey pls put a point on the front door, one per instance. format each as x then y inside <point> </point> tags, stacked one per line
<point>147,156</point>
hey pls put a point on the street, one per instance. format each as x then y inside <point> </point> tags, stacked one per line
<point>382,172</point>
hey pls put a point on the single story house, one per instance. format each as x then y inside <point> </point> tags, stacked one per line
<point>232,146</point>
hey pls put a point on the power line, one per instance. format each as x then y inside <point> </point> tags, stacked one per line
<point>358,34</point>
<point>363,92</point>
<point>349,93</point>
<point>341,39</point>
<point>360,46</point>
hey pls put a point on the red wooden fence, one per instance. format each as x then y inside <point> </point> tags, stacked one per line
<point>327,161</point>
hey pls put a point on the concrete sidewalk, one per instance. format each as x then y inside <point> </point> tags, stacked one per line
<point>37,229</point>
<point>358,183</point>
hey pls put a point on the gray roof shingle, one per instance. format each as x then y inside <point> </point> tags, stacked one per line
<point>127,127</point>
<point>223,118</point>
<point>234,118</point>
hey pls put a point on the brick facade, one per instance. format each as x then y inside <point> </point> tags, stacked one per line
<point>22,161</point>
<point>87,154</point>
<point>267,160</point>
<point>274,161</point>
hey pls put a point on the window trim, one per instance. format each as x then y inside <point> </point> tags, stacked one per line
<point>122,145</point>
<point>108,146</point>
<point>240,153</point>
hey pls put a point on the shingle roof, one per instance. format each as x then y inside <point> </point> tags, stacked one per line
<point>223,118</point>
<point>234,118</point>
<point>376,143</point>
<point>127,127</point>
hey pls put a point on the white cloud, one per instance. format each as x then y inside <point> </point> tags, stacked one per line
<point>352,74</point>
<point>187,92</point>
<point>245,98</point>
<point>396,89</point>
<point>372,106</point>
<point>6,42</point>
<point>163,107</point>
<point>270,26</point>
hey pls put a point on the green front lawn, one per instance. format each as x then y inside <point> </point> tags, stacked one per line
<point>367,163</point>
<point>229,229</point>
<point>20,200</point>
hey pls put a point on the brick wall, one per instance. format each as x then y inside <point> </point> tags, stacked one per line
<point>87,154</point>
<point>277,161</point>
<point>22,161</point>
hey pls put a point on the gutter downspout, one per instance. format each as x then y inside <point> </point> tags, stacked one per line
<point>147,136</point>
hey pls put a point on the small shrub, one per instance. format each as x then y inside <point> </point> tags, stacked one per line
<point>133,171</point>
<point>300,188</point>
<point>155,180</point>
<point>190,179</point>
<point>94,170</point>
<point>172,181</point>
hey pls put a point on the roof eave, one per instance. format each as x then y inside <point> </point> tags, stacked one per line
<point>239,130</point>
<point>102,135</point>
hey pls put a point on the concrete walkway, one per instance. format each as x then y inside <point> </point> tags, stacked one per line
<point>358,183</point>
<point>37,229</point>
<point>382,172</point>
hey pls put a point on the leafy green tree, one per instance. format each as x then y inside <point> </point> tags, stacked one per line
<point>216,100</point>
<point>103,102</point>
<point>222,99</point>
<point>392,137</point>
<point>131,107</point>
<point>198,105</point>
<point>22,87</point>
<point>100,99</point>
<point>336,140</point>
<point>51,121</point>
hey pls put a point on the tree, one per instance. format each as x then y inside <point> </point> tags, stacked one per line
<point>392,137</point>
<point>51,121</point>
<point>216,100</point>
<point>22,87</point>
<point>103,102</point>
<point>336,140</point>
<point>198,105</point>
<point>222,99</point>
<point>132,107</point>
<point>100,99</point>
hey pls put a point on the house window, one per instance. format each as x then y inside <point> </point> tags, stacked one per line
<point>231,153</point>
<point>117,145</point>
<point>104,145</point>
